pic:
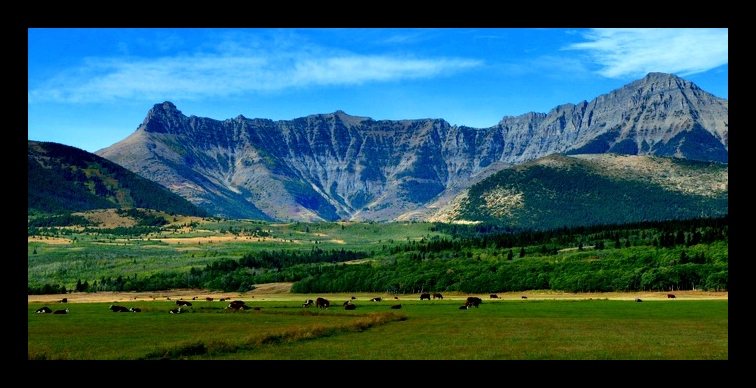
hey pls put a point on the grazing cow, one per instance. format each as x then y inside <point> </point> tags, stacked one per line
<point>524,297</point>
<point>175,311</point>
<point>183,303</point>
<point>376,300</point>
<point>322,303</point>
<point>670,296</point>
<point>396,306</point>
<point>308,303</point>
<point>43,310</point>
<point>638,300</point>
<point>61,311</point>
<point>353,298</point>
<point>209,299</point>
<point>194,298</point>
<point>135,310</point>
<point>438,296</point>
<point>424,296</point>
<point>64,300</point>
<point>494,296</point>
<point>118,309</point>
<point>396,298</point>
<point>347,302</point>
<point>350,307</point>
<point>222,299</point>
<point>465,307</point>
<point>473,301</point>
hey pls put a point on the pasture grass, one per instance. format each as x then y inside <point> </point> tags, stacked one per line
<point>421,330</point>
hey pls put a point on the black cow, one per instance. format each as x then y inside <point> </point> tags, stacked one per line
<point>473,301</point>
<point>64,300</point>
<point>238,305</point>
<point>61,311</point>
<point>424,296</point>
<point>118,309</point>
<point>494,296</point>
<point>322,303</point>
<point>135,310</point>
<point>377,299</point>
<point>209,299</point>
<point>670,296</point>
<point>638,300</point>
<point>175,311</point>
<point>465,307</point>
<point>183,303</point>
<point>350,307</point>
<point>43,310</point>
<point>396,306</point>
<point>438,296</point>
<point>308,303</point>
<point>524,297</point>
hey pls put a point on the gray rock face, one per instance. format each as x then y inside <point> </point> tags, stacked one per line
<point>336,166</point>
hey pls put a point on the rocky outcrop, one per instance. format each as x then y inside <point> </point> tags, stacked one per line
<point>337,166</point>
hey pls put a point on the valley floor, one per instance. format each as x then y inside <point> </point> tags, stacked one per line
<point>282,292</point>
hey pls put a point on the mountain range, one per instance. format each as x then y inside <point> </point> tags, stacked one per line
<point>661,135</point>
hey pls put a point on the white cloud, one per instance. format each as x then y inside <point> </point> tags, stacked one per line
<point>634,52</point>
<point>233,72</point>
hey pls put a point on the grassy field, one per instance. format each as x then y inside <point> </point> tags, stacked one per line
<point>505,329</point>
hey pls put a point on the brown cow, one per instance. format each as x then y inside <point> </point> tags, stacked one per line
<point>238,305</point>
<point>473,301</point>
<point>438,296</point>
<point>424,296</point>
<point>670,296</point>
<point>494,296</point>
<point>350,307</point>
<point>524,297</point>
<point>396,306</point>
<point>209,299</point>
<point>322,303</point>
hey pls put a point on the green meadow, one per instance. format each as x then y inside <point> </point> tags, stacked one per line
<point>595,329</point>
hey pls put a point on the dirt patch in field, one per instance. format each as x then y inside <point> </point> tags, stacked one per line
<point>282,292</point>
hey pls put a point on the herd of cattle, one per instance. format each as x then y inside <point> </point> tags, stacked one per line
<point>322,303</point>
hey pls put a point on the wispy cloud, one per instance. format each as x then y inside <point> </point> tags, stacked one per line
<point>232,71</point>
<point>630,52</point>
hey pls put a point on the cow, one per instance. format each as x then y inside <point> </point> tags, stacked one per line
<point>308,303</point>
<point>194,298</point>
<point>473,301</point>
<point>424,296</point>
<point>376,299</point>
<point>118,309</point>
<point>347,302</point>
<point>238,305</point>
<point>43,310</point>
<point>396,306</point>
<point>494,296</point>
<point>209,299</point>
<point>61,311</point>
<point>465,307</point>
<point>135,310</point>
<point>438,296</point>
<point>322,303</point>
<point>64,300</point>
<point>638,300</point>
<point>183,303</point>
<point>396,298</point>
<point>671,296</point>
<point>222,299</point>
<point>175,311</point>
<point>350,307</point>
<point>353,298</point>
<point>257,308</point>
<point>524,297</point>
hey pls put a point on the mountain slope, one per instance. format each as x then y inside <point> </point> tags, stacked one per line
<point>64,179</point>
<point>582,190</point>
<point>337,166</point>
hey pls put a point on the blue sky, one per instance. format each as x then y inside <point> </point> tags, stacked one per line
<point>90,88</point>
